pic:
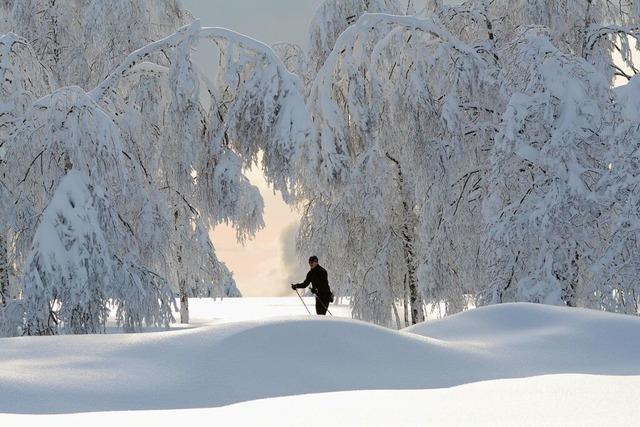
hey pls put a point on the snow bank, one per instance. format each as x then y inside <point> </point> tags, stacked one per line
<point>523,339</point>
<point>512,364</point>
<point>217,365</point>
<point>557,400</point>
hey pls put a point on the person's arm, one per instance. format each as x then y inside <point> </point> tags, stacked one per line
<point>307,282</point>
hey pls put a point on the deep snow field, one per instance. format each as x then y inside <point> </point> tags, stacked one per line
<point>265,361</point>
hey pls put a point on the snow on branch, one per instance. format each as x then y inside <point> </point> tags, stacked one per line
<point>612,33</point>
<point>342,78</point>
<point>24,80</point>
<point>139,56</point>
<point>263,107</point>
<point>596,32</point>
<point>260,83</point>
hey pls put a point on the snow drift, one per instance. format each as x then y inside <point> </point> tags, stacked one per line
<point>235,362</point>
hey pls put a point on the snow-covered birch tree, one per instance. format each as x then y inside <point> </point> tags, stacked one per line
<point>256,107</point>
<point>64,35</point>
<point>434,109</point>
<point>171,184</point>
<point>385,102</point>
<point>62,132</point>
<point>475,152</point>
<point>334,16</point>
<point>24,79</point>
<point>82,41</point>
<point>611,267</point>
<point>348,196</point>
<point>76,267</point>
<point>603,32</point>
<point>549,156</point>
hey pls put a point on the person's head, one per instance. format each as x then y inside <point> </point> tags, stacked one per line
<point>313,261</point>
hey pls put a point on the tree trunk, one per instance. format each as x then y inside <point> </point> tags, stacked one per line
<point>571,296</point>
<point>184,303</point>
<point>587,23</point>
<point>417,314</point>
<point>182,283</point>
<point>4,271</point>
<point>396,315</point>
<point>405,302</point>
<point>182,289</point>
<point>393,298</point>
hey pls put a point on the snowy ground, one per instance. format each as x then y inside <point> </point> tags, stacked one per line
<point>515,364</point>
<point>206,311</point>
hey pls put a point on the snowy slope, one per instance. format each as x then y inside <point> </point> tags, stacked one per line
<point>533,339</point>
<point>558,400</point>
<point>212,366</point>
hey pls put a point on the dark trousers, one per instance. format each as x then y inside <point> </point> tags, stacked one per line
<point>322,305</point>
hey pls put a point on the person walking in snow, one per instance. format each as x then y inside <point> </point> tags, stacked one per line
<point>317,276</point>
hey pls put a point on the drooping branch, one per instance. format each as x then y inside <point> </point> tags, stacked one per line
<point>139,56</point>
<point>346,58</point>
<point>595,33</point>
<point>192,30</point>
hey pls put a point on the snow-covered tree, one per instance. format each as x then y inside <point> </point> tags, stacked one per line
<point>62,132</point>
<point>82,41</point>
<point>73,270</point>
<point>603,32</point>
<point>347,190</point>
<point>387,106</point>
<point>64,36</point>
<point>334,16</point>
<point>255,107</point>
<point>452,126</point>
<point>612,266</point>
<point>548,159</point>
<point>173,167</point>
<point>432,104</point>
<point>476,151</point>
<point>23,79</point>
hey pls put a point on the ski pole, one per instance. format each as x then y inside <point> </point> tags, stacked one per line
<point>305,305</point>
<point>324,306</point>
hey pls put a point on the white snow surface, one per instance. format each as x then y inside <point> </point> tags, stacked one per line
<point>510,364</point>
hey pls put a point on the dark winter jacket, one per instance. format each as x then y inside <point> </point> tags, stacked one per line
<point>318,277</point>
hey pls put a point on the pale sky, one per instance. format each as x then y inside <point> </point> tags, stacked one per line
<point>266,265</point>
